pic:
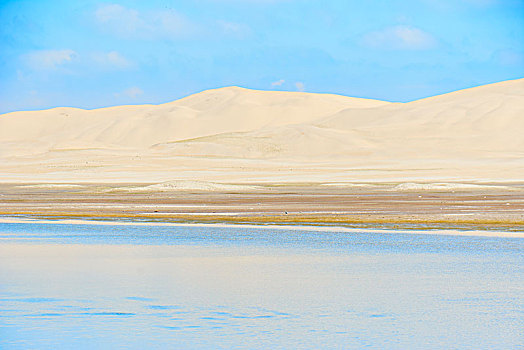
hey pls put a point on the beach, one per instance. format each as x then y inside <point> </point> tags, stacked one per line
<point>487,207</point>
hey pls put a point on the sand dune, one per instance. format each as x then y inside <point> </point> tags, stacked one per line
<point>239,135</point>
<point>210,112</point>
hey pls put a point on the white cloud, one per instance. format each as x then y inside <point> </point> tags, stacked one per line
<point>170,24</point>
<point>300,86</point>
<point>238,30</point>
<point>278,83</point>
<point>119,19</point>
<point>112,59</point>
<point>132,92</point>
<point>132,24</point>
<point>49,59</point>
<point>400,37</point>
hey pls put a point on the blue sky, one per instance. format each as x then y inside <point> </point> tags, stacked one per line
<point>92,53</point>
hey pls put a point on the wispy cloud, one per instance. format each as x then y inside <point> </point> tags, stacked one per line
<point>300,86</point>
<point>278,83</point>
<point>112,59</point>
<point>400,37</point>
<point>239,30</point>
<point>130,23</point>
<point>119,19</point>
<point>131,92</point>
<point>49,59</point>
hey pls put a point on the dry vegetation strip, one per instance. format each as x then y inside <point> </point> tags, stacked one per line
<point>277,205</point>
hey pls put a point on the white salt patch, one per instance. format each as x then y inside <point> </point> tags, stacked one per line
<point>445,187</point>
<point>347,184</point>
<point>50,186</point>
<point>187,185</point>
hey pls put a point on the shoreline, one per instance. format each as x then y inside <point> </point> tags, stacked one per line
<point>473,209</point>
<point>447,232</point>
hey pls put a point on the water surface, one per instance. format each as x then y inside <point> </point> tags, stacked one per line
<point>111,286</point>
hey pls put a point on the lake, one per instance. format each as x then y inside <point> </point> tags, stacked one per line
<point>88,286</point>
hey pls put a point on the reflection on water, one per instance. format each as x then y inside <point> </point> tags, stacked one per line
<point>89,286</point>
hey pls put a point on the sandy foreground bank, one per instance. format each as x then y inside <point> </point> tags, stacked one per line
<point>472,207</point>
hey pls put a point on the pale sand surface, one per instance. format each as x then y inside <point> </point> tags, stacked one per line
<point>240,136</point>
<point>466,207</point>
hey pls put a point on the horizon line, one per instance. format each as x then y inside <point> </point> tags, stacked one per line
<point>263,90</point>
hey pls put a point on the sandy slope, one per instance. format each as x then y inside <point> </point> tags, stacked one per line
<point>240,135</point>
<point>206,113</point>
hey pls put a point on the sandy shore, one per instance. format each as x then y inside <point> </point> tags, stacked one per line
<point>490,207</point>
